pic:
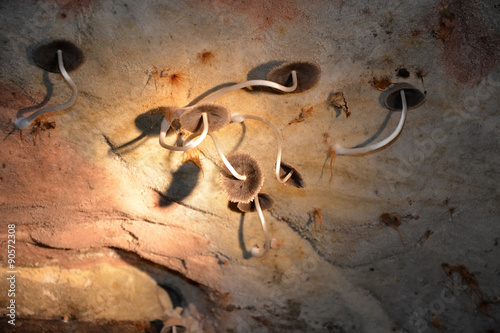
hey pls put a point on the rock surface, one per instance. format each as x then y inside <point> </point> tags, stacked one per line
<point>403,239</point>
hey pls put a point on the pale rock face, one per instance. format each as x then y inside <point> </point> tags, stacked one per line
<point>99,183</point>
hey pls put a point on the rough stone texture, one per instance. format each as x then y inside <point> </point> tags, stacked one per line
<point>99,181</point>
<point>98,292</point>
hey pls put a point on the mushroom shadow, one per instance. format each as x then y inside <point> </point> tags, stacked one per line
<point>382,127</point>
<point>240,139</point>
<point>377,134</point>
<point>149,124</point>
<point>184,181</point>
<point>241,240</point>
<point>48,95</point>
<point>260,72</point>
<point>209,92</point>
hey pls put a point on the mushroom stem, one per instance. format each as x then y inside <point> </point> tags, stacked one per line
<point>240,118</point>
<point>224,159</point>
<point>165,125</point>
<point>339,150</point>
<point>255,251</point>
<point>264,83</point>
<point>24,122</point>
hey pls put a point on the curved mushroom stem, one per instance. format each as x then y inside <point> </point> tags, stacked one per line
<point>264,83</point>
<point>224,159</point>
<point>24,122</point>
<point>165,125</point>
<point>339,150</point>
<point>255,251</point>
<point>240,118</point>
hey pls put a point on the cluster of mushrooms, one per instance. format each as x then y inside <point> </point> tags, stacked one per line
<point>241,174</point>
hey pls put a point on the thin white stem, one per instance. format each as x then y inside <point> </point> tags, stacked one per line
<point>224,159</point>
<point>357,151</point>
<point>22,123</point>
<point>165,125</point>
<point>256,252</point>
<point>264,83</point>
<point>240,118</point>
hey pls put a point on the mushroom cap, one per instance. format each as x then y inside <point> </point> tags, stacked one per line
<point>173,322</point>
<point>218,117</point>
<point>265,200</point>
<point>414,97</point>
<point>242,190</point>
<point>45,56</point>
<point>296,179</point>
<point>308,74</point>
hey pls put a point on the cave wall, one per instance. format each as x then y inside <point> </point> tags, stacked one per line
<point>90,187</point>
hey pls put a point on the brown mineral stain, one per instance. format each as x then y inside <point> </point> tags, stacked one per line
<point>73,8</point>
<point>263,14</point>
<point>206,57</point>
<point>469,47</point>
<point>392,220</point>
<point>381,83</point>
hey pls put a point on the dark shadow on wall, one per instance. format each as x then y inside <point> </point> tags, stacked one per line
<point>148,123</point>
<point>241,239</point>
<point>50,91</point>
<point>184,181</point>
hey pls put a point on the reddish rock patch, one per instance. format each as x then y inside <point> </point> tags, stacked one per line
<point>264,14</point>
<point>470,46</point>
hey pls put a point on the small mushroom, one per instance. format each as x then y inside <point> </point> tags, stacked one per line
<point>308,74</point>
<point>265,200</point>
<point>59,56</point>
<point>211,117</point>
<point>218,116</point>
<point>404,91</point>
<point>242,190</point>
<point>284,78</point>
<point>295,178</point>
<point>189,144</point>
<point>45,56</point>
<point>414,97</point>
<point>251,83</point>
<point>173,325</point>
<point>255,251</point>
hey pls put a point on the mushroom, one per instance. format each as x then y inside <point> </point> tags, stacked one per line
<point>290,77</point>
<point>218,117</point>
<point>261,202</point>
<point>242,190</point>
<point>308,74</point>
<point>237,118</point>
<point>296,179</point>
<point>59,56</point>
<point>251,83</point>
<point>255,251</point>
<point>212,117</point>
<point>401,96</point>
<point>173,325</point>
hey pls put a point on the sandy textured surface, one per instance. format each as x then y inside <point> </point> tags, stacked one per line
<point>405,239</point>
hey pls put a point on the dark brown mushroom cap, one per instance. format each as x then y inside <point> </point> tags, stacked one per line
<point>218,117</point>
<point>296,179</point>
<point>308,74</point>
<point>173,322</point>
<point>265,200</point>
<point>414,97</point>
<point>45,56</point>
<point>242,190</point>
